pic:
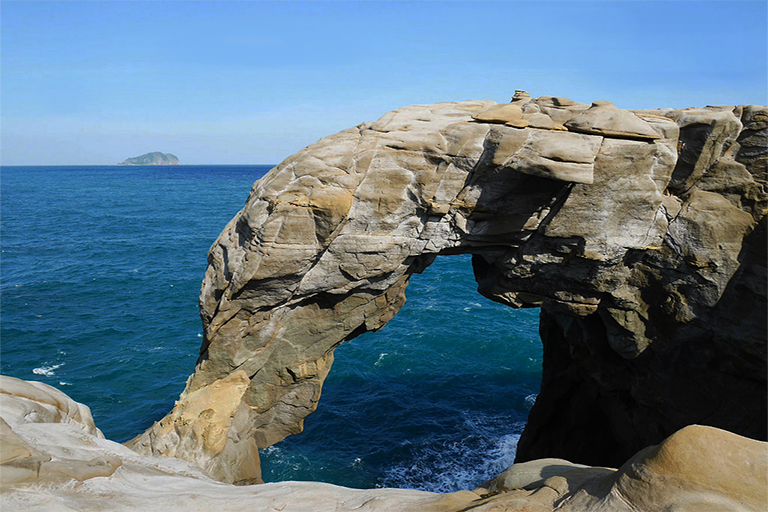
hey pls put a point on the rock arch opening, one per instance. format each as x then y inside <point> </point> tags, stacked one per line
<point>436,400</point>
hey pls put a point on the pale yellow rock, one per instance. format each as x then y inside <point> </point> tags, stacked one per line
<point>539,120</point>
<point>38,402</point>
<point>698,468</point>
<point>521,96</point>
<point>554,101</point>
<point>510,114</point>
<point>199,425</point>
<point>603,118</point>
<point>528,474</point>
<point>19,462</point>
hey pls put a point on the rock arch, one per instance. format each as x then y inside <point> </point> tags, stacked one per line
<point>641,235</point>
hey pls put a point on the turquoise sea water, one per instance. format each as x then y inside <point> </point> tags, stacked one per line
<point>100,271</point>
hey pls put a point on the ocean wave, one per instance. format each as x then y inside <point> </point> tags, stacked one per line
<point>47,370</point>
<point>381,357</point>
<point>454,466</point>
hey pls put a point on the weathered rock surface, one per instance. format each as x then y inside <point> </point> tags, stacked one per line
<point>640,235</point>
<point>24,407</point>
<point>698,468</point>
<point>52,458</point>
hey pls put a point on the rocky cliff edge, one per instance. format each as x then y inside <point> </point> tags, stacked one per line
<point>52,458</point>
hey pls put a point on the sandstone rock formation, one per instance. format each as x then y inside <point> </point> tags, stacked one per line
<point>698,468</point>
<point>640,235</point>
<point>52,458</point>
<point>26,410</point>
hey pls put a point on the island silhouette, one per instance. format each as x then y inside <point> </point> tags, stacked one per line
<point>154,158</point>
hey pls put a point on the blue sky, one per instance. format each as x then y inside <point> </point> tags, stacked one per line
<point>253,82</point>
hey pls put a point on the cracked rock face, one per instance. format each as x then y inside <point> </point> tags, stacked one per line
<point>640,235</point>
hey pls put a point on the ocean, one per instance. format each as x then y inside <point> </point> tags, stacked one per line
<point>100,270</point>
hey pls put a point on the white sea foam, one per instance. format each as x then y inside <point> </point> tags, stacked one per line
<point>450,469</point>
<point>530,400</point>
<point>450,465</point>
<point>272,450</point>
<point>46,370</point>
<point>503,454</point>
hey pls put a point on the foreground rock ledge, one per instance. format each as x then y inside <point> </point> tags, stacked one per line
<point>640,235</point>
<point>53,458</point>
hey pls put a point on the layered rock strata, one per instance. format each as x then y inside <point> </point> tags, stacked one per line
<point>640,235</point>
<point>53,458</point>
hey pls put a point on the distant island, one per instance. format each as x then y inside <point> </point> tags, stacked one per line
<point>154,158</point>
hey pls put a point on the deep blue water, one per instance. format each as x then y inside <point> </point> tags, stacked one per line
<point>100,271</point>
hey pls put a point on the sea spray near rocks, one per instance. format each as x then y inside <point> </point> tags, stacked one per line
<point>47,370</point>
